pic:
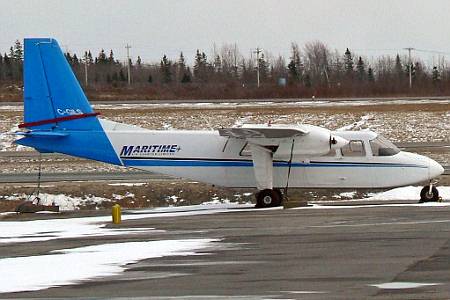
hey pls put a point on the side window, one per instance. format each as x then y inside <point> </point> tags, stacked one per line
<point>353,148</point>
<point>382,147</point>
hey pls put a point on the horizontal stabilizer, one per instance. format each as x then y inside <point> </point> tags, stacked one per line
<point>44,134</point>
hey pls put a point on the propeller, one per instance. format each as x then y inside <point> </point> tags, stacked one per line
<point>337,142</point>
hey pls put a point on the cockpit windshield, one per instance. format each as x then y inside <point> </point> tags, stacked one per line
<point>383,147</point>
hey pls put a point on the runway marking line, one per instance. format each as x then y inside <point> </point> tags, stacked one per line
<point>381,224</point>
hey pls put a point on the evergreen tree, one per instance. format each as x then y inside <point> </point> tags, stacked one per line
<point>75,60</point>
<point>200,66</point>
<point>348,62</point>
<point>435,75</point>
<point>89,58</point>
<point>186,78</point>
<point>181,61</point>
<point>11,74</point>
<point>293,72</point>
<point>165,71</point>
<point>399,68</point>
<point>8,67</point>
<point>16,56</point>
<point>413,70</point>
<point>11,53</point>
<point>18,51</point>
<point>360,68</point>
<point>139,61</point>
<point>68,58</point>
<point>122,76</point>
<point>263,68</point>
<point>181,67</point>
<point>150,78</point>
<point>101,58</point>
<point>197,63</point>
<point>111,57</point>
<point>370,75</point>
<point>85,58</point>
<point>204,59</point>
<point>295,65</point>
<point>417,71</point>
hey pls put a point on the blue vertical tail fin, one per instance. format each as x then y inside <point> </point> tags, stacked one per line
<point>53,97</point>
<point>57,113</point>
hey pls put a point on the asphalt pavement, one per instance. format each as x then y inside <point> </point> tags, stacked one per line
<point>332,253</point>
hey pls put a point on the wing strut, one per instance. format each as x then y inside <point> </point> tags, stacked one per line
<point>289,169</point>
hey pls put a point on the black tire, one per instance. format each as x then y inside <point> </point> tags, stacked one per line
<point>426,196</point>
<point>267,198</point>
<point>280,195</point>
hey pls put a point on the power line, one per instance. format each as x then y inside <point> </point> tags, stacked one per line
<point>433,51</point>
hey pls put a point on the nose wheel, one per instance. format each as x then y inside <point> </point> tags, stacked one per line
<point>429,193</point>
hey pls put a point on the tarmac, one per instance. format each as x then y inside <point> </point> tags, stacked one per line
<point>307,253</point>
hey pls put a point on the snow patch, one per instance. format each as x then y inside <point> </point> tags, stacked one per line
<point>7,140</point>
<point>427,204</point>
<point>51,229</point>
<point>130,184</point>
<point>65,202</point>
<point>403,285</point>
<point>87,263</point>
<point>348,194</point>
<point>120,197</point>
<point>408,193</point>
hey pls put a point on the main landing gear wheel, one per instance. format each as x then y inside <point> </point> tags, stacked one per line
<point>426,196</point>
<point>268,198</point>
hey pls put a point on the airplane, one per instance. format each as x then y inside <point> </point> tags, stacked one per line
<point>271,157</point>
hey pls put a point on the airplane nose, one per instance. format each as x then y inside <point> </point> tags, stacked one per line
<point>434,169</point>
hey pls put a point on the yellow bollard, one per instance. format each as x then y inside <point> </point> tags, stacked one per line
<point>116,214</point>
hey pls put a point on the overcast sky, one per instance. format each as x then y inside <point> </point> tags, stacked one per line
<point>154,27</point>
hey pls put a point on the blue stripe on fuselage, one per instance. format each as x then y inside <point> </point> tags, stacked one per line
<point>151,162</point>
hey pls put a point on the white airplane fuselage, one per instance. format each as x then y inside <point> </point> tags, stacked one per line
<point>206,156</point>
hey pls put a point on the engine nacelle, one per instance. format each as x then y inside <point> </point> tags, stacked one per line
<point>318,141</point>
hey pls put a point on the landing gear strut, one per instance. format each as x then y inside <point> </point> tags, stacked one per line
<point>269,198</point>
<point>429,193</point>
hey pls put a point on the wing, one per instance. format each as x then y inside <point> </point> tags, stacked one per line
<point>262,132</point>
<point>307,139</point>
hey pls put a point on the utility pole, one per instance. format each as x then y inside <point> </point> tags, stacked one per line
<point>257,51</point>
<point>128,64</point>
<point>410,65</point>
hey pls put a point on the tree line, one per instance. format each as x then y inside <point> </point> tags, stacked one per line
<point>311,70</point>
